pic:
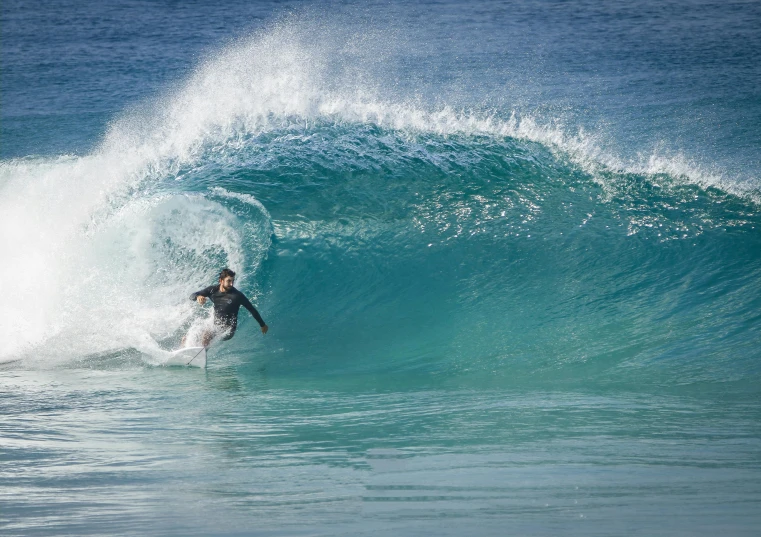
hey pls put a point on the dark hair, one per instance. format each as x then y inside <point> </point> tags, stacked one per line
<point>225,273</point>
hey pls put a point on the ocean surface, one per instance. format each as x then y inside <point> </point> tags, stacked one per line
<point>509,254</point>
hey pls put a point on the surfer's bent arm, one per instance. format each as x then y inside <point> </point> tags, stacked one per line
<point>204,293</point>
<point>250,307</point>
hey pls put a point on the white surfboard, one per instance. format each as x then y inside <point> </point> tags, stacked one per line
<point>189,357</point>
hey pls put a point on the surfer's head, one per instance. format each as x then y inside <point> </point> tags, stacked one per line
<point>226,279</point>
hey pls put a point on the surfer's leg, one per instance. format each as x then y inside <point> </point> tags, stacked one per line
<point>229,334</point>
<point>228,329</point>
<point>221,330</point>
<point>208,335</point>
<point>224,329</point>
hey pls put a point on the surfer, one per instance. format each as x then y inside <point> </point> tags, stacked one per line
<point>227,301</point>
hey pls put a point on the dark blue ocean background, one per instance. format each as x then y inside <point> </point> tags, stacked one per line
<point>509,254</point>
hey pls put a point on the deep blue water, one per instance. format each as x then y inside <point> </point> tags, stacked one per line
<point>509,254</point>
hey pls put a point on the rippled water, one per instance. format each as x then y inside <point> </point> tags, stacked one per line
<point>232,451</point>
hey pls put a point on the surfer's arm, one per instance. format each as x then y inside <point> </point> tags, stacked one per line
<point>250,307</point>
<point>205,293</point>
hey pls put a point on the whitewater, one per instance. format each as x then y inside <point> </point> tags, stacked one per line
<point>510,257</point>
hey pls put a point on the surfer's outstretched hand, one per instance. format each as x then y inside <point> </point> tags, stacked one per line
<point>201,299</point>
<point>264,329</point>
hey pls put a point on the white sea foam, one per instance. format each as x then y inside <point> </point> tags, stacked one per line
<point>123,284</point>
<point>94,269</point>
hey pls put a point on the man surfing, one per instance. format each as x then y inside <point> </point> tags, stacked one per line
<point>227,301</point>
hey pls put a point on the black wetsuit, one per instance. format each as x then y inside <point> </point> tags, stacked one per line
<point>226,306</point>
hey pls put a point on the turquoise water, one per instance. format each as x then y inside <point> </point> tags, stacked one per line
<point>509,255</point>
<point>235,451</point>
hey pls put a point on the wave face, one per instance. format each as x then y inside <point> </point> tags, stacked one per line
<point>380,233</point>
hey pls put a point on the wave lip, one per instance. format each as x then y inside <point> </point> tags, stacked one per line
<point>305,71</point>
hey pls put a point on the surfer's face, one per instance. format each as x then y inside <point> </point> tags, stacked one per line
<point>226,283</point>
